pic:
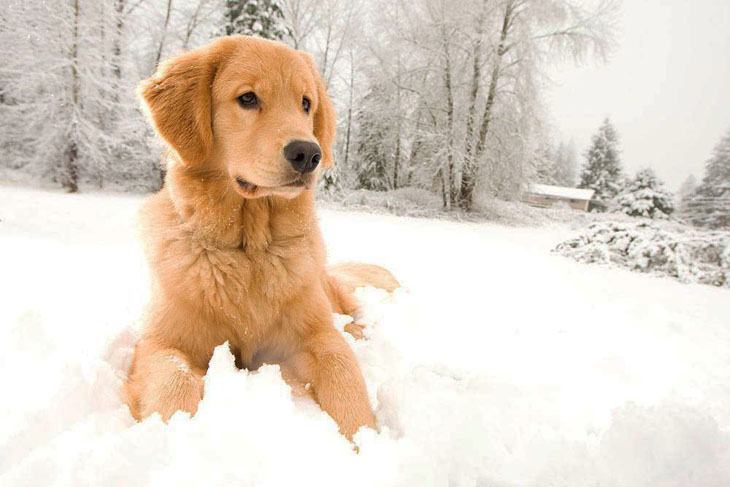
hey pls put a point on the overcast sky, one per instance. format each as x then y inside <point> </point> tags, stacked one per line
<point>666,87</point>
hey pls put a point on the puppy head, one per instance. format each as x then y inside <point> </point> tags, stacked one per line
<point>253,111</point>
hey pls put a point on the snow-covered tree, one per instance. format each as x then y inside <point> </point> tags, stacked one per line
<point>602,171</point>
<point>301,19</point>
<point>709,205</point>
<point>69,113</point>
<point>470,84</point>
<point>375,131</point>
<point>555,165</point>
<point>545,164</point>
<point>442,95</point>
<point>686,190</point>
<point>645,196</point>
<point>262,18</point>
<point>524,34</point>
<point>688,186</point>
<point>566,164</point>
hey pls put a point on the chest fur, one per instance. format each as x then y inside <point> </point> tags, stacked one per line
<point>239,285</point>
<point>236,278</point>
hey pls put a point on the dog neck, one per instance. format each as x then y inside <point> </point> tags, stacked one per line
<point>217,216</point>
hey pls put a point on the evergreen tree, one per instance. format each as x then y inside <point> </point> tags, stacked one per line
<point>555,165</point>
<point>545,162</point>
<point>709,206</point>
<point>688,187</point>
<point>375,140</point>
<point>371,163</point>
<point>602,171</point>
<point>566,165</point>
<point>262,18</point>
<point>645,196</point>
<point>685,192</point>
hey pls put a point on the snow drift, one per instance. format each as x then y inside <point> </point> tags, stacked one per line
<point>499,365</point>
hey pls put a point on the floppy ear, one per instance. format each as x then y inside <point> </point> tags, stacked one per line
<point>178,100</point>
<point>325,121</point>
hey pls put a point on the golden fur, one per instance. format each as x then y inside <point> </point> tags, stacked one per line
<point>243,264</point>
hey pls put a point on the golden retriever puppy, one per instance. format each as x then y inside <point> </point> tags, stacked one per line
<point>232,239</point>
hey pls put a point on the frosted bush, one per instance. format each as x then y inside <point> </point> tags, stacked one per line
<point>688,255</point>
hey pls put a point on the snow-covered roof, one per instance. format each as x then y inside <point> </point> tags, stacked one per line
<point>561,192</point>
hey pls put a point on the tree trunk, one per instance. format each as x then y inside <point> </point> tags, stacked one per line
<point>476,79</point>
<point>348,130</point>
<point>415,148</point>
<point>117,45</point>
<point>164,33</point>
<point>397,155</point>
<point>192,24</point>
<point>396,161</point>
<point>412,157</point>
<point>444,196</point>
<point>450,122</point>
<point>69,170</point>
<point>470,172</point>
<point>325,56</point>
<point>70,176</point>
<point>102,37</point>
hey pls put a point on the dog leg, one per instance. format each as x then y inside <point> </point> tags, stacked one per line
<point>352,275</point>
<point>331,374</point>
<point>162,381</point>
<point>343,279</point>
<point>343,301</point>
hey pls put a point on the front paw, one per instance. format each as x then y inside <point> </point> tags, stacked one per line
<point>347,324</point>
<point>357,330</point>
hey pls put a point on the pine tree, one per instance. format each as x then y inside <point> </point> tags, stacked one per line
<point>545,162</point>
<point>685,192</point>
<point>602,171</point>
<point>371,161</point>
<point>566,165</point>
<point>688,187</point>
<point>709,205</point>
<point>645,196</point>
<point>262,18</point>
<point>375,144</point>
<point>555,165</point>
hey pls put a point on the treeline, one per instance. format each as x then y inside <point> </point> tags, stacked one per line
<point>705,204</point>
<point>442,95</point>
<point>447,95</point>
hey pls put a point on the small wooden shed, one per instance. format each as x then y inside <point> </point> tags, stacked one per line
<point>545,196</point>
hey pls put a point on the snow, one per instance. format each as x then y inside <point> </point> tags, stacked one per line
<point>561,191</point>
<point>498,364</point>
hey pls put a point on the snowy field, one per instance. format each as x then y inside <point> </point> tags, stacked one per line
<point>499,364</point>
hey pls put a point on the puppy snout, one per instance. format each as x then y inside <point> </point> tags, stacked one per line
<point>304,156</point>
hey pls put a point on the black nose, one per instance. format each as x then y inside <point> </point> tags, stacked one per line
<point>303,155</point>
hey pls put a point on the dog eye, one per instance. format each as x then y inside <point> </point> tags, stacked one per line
<point>306,104</point>
<point>248,100</point>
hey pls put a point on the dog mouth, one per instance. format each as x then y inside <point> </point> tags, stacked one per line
<point>249,189</point>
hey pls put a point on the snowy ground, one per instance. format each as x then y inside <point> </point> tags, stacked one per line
<point>501,364</point>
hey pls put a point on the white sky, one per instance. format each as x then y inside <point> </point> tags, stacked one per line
<point>666,87</point>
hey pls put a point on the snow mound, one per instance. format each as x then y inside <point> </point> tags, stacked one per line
<point>688,255</point>
<point>437,427</point>
<point>501,365</point>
